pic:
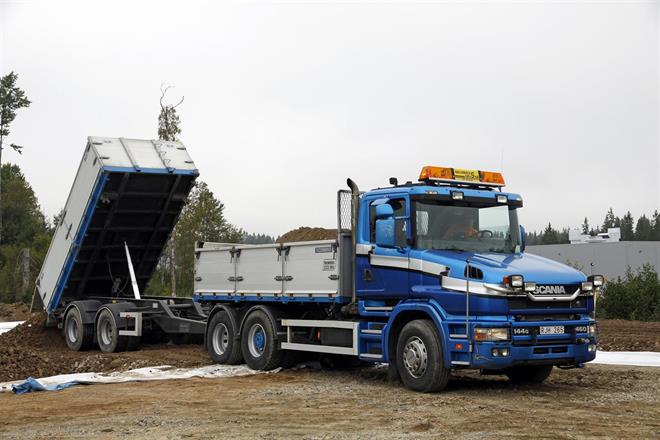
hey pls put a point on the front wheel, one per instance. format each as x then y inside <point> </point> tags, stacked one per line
<point>419,357</point>
<point>529,374</point>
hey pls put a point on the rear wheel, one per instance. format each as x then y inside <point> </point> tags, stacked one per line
<point>78,336</point>
<point>258,342</point>
<point>529,374</point>
<point>107,333</point>
<point>221,342</point>
<point>419,357</point>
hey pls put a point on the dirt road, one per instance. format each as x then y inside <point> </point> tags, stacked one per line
<point>598,401</point>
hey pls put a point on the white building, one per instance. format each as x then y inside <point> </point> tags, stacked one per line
<point>611,236</point>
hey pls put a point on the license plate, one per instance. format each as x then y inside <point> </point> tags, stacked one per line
<point>551,330</point>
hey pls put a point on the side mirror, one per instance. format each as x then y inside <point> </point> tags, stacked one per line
<point>523,239</point>
<point>385,235</point>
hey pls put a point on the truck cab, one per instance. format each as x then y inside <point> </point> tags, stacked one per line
<point>428,277</point>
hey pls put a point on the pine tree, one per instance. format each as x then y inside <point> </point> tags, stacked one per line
<point>585,226</point>
<point>643,231</point>
<point>627,224</point>
<point>168,120</point>
<point>656,226</point>
<point>169,130</point>
<point>202,219</point>
<point>609,221</point>
<point>26,236</point>
<point>11,99</point>
<point>550,235</point>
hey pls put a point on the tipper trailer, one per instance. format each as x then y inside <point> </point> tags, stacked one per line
<point>125,200</point>
<point>428,277</point>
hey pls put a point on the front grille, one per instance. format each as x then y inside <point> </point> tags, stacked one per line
<point>524,303</point>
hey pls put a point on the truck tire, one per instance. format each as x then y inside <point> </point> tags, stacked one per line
<point>419,357</point>
<point>78,336</point>
<point>107,333</point>
<point>221,341</point>
<point>529,374</point>
<point>259,342</point>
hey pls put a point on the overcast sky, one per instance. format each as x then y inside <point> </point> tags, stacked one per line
<point>285,100</point>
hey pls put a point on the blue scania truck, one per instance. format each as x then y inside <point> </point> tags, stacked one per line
<point>429,277</point>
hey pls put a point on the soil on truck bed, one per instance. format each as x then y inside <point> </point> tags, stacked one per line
<point>305,233</point>
<point>594,402</point>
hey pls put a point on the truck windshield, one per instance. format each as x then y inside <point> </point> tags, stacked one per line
<point>468,227</point>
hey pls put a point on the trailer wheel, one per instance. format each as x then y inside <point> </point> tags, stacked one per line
<point>419,357</point>
<point>78,336</point>
<point>529,374</point>
<point>107,333</point>
<point>221,341</point>
<point>258,342</point>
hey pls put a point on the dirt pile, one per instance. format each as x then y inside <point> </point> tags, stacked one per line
<point>31,349</point>
<point>14,312</point>
<point>305,233</point>
<point>620,335</point>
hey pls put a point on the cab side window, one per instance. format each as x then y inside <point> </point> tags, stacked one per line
<point>399,208</point>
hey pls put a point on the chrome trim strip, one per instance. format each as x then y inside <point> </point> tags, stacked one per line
<point>388,261</point>
<point>416,264</point>
<point>363,249</point>
<point>426,266</point>
<point>553,298</point>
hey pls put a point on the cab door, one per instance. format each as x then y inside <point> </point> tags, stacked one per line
<point>384,271</point>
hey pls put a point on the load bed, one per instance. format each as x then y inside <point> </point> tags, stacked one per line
<point>126,193</point>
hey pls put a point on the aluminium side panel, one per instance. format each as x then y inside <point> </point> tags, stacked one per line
<point>215,271</point>
<point>82,198</point>
<point>143,155</point>
<point>311,269</point>
<point>259,270</point>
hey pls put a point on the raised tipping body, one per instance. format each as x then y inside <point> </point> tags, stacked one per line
<point>124,202</point>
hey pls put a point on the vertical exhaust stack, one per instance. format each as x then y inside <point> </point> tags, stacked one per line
<point>355,206</point>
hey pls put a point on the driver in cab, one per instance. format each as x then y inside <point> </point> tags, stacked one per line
<point>461,227</point>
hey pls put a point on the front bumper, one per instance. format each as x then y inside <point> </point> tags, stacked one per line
<point>567,349</point>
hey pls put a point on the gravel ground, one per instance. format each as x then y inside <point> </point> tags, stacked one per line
<point>594,402</point>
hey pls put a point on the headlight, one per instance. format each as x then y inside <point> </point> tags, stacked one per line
<point>493,334</point>
<point>587,286</point>
<point>514,281</point>
<point>597,280</point>
<point>530,286</point>
<point>592,329</point>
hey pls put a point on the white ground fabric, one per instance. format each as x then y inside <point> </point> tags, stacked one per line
<point>6,326</point>
<point>162,372</point>
<point>636,358</point>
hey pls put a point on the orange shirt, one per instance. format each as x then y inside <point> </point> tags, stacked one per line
<point>458,230</point>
